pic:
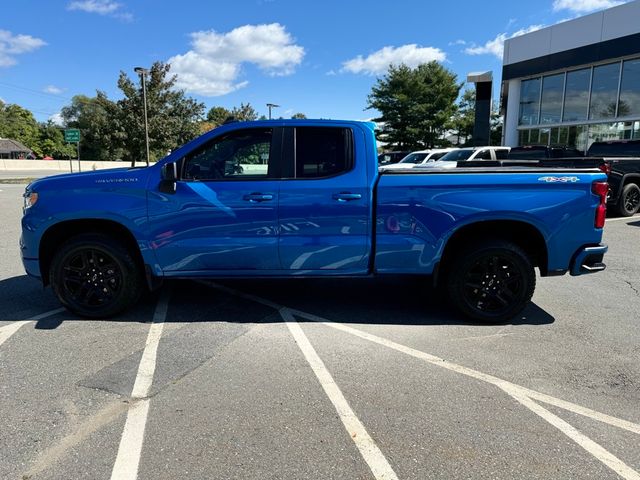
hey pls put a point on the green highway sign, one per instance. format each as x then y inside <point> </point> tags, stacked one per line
<point>72,135</point>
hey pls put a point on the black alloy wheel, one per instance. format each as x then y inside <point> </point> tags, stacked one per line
<point>91,277</point>
<point>630,200</point>
<point>95,276</point>
<point>492,282</point>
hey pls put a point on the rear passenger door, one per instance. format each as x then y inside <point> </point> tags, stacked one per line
<point>325,204</point>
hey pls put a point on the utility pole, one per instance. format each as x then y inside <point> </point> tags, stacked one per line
<point>143,73</point>
<point>270,106</point>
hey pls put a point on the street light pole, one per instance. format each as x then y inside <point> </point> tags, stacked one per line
<point>270,106</point>
<point>143,73</point>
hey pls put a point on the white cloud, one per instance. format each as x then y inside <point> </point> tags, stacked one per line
<point>213,65</point>
<point>101,7</point>
<point>584,6</point>
<point>376,63</point>
<point>457,42</point>
<point>12,45</point>
<point>496,46</point>
<point>53,90</point>
<point>56,118</point>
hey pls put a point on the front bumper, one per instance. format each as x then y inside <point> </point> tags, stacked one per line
<point>588,260</point>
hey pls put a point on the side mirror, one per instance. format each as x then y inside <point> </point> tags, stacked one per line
<point>168,176</point>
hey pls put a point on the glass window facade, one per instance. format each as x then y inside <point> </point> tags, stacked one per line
<point>576,98</point>
<point>629,103</point>
<point>551,101</point>
<point>605,97</point>
<point>530,102</point>
<point>604,91</point>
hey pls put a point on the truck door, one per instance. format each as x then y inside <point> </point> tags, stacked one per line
<point>325,201</point>
<point>223,215</point>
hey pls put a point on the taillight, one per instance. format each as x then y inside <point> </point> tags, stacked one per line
<point>600,189</point>
<point>606,168</point>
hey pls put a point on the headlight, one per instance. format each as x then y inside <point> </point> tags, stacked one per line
<point>30,199</point>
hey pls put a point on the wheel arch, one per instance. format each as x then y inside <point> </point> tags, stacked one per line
<point>60,232</point>
<point>525,235</point>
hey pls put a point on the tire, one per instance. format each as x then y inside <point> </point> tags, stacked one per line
<point>629,202</point>
<point>95,276</point>
<point>491,282</point>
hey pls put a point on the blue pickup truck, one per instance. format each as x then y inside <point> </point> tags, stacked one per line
<point>304,198</point>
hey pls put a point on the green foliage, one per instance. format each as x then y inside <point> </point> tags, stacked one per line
<point>244,113</point>
<point>464,119</point>
<point>51,143</point>
<point>43,139</point>
<point>416,105</point>
<point>217,116</point>
<point>97,119</point>
<point>18,123</point>
<point>173,117</point>
<point>299,115</point>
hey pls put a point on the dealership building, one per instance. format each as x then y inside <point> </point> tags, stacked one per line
<point>575,82</point>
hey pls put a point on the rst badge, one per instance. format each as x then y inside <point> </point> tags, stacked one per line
<point>559,179</point>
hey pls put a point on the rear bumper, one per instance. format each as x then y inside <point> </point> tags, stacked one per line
<point>588,260</point>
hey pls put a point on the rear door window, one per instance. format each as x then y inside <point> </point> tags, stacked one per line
<point>321,152</point>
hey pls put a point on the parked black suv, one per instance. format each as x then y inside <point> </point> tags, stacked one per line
<point>536,152</point>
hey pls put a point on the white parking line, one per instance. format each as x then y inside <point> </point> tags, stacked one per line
<point>606,457</point>
<point>368,449</point>
<point>521,394</point>
<point>622,219</point>
<point>130,450</point>
<point>8,330</point>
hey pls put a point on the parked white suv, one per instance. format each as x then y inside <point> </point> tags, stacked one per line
<point>451,159</point>
<point>421,157</point>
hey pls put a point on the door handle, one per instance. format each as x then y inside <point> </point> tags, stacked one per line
<point>346,196</point>
<point>258,197</point>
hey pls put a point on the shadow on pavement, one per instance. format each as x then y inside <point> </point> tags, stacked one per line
<point>392,301</point>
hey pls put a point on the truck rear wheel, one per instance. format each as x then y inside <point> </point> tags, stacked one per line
<point>629,200</point>
<point>95,276</point>
<point>491,282</point>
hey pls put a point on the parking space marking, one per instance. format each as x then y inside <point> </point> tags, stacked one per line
<point>368,449</point>
<point>130,449</point>
<point>621,219</point>
<point>606,457</point>
<point>521,394</point>
<point>8,330</point>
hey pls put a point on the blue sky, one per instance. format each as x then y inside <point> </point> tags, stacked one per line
<point>320,58</point>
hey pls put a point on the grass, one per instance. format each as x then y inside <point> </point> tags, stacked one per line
<point>16,180</point>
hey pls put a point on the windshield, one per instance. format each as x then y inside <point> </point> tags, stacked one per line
<point>414,158</point>
<point>437,156</point>
<point>456,155</point>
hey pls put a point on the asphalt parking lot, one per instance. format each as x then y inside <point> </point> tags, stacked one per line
<point>337,379</point>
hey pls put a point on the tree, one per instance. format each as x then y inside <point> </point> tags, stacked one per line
<point>299,115</point>
<point>416,105</point>
<point>464,119</point>
<point>18,123</point>
<point>97,119</point>
<point>51,142</point>
<point>244,113</point>
<point>174,118</point>
<point>217,116</point>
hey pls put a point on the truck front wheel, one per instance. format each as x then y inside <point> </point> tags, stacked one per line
<point>492,281</point>
<point>95,276</point>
